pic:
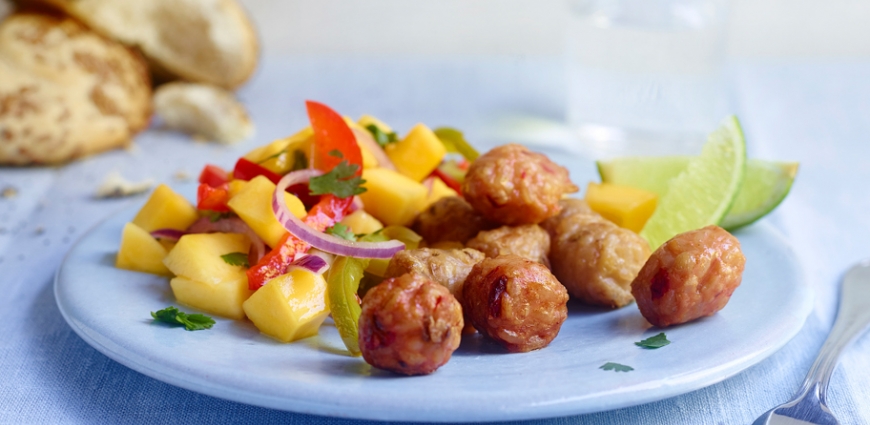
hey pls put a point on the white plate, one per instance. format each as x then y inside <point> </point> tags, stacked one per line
<point>109,308</point>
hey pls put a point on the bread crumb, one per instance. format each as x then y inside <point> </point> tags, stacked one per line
<point>181,176</point>
<point>9,192</point>
<point>116,186</point>
<point>202,111</point>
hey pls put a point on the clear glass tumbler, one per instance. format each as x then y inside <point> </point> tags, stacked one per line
<point>646,76</point>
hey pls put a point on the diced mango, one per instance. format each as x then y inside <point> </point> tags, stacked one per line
<point>367,120</point>
<point>235,186</point>
<point>361,222</point>
<point>223,299</point>
<point>279,156</point>
<point>198,257</point>
<point>165,209</point>
<point>369,160</point>
<point>628,207</point>
<point>141,252</point>
<point>418,153</point>
<point>391,197</point>
<point>438,189</point>
<point>289,307</point>
<point>253,204</point>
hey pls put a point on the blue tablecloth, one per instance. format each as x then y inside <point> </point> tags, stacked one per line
<point>816,113</point>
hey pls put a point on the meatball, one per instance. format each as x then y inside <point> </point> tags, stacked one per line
<point>691,276</point>
<point>516,302</point>
<point>409,325</point>
<point>450,219</point>
<point>596,259</point>
<point>447,267</point>
<point>512,185</point>
<point>529,241</point>
<point>576,209</point>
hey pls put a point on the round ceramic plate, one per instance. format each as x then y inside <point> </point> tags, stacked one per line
<point>480,383</point>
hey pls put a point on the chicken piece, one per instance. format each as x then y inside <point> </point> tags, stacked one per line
<point>528,241</point>
<point>513,185</point>
<point>447,267</point>
<point>516,302</point>
<point>690,276</point>
<point>577,209</point>
<point>450,219</point>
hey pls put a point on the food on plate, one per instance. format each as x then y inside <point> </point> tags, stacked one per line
<point>204,111</point>
<point>450,219</point>
<point>512,185</point>
<point>291,306</point>
<point>528,241</point>
<point>114,185</point>
<point>594,258</point>
<point>207,41</point>
<point>626,206</point>
<point>65,91</point>
<point>690,276</point>
<point>515,301</point>
<point>447,267</point>
<point>409,325</point>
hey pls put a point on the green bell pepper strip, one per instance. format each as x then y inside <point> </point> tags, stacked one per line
<point>454,141</point>
<point>342,283</point>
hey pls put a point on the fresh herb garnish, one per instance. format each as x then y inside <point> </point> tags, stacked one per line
<point>341,231</point>
<point>616,367</point>
<point>236,259</point>
<point>191,322</point>
<point>341,181</point>
<point>300,161</point>
<point>382,137</point>
<point>653,342</point>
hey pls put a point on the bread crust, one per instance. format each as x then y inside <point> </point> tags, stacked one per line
<point>65,91</point>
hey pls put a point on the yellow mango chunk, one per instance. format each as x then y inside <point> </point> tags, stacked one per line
<point>165,209</point>
<point>418,153</point>
<point>369,160</point>
<point>279,155</point>
<point>141,252</point>
<point>223,299</point>
<point>236,186</point>
<point>361,222</point>
<point>391,197</point>
<point>198,257</point>
<point>367,120</point>
<point>438,190</point>
<point>289,307</point>
<point>628,207</point>
<point>253,204</point>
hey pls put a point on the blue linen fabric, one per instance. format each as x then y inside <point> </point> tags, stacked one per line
<point>815,113</point>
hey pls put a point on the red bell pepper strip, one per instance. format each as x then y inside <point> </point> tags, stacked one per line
<point>212,198</point>
<point>247,170</point>
<point>213,175</point>
<point>332,133</point>
<point>327,212</point>
<point>449,181</point>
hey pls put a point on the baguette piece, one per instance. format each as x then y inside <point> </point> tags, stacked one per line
<point>202,110</point>
<point>65,91</point>
<point>207,41</point>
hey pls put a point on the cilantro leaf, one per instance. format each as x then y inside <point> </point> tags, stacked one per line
<point>616,367</point>
<point>383,138</point>
<point>341,181</point>
<point>236,259</point>
<point>191,322</point>
<point>341,231</point>
<point>653,342</point>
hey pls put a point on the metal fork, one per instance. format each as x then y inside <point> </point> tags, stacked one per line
<point>809,405</point>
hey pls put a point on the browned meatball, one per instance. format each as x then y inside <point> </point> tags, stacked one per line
<point>409,325</point>
<point>516,302</point>
<point>529,241</point>
<point>596,259</point>
<point>576,209</point>
<point>450,219</point>
<point>692,275</point>
<point>512,185</point>
<point>447,267</point>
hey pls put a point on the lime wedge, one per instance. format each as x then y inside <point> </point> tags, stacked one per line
<point>765,184</point>
<point>703,193</point>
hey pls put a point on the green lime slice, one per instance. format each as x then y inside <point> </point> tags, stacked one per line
<point>703,193</point>
<point>765,184</point>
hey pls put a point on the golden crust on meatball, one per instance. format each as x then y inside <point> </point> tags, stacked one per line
<point>450,219</point>
<point>528,241</point>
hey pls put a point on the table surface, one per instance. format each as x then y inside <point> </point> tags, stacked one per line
<point>812,112</point>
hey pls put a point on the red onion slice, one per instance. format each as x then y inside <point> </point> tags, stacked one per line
<point>311,263</point>
<point>364,138</point>
<point>323,241</point>
<point>230,225</point>
<point>168,234</point>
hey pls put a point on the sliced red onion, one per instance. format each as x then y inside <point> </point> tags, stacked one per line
<point>168,234</point>
<point>311,263</point>
<point>364,138</point>
<point>323,241</point>
<point>230,225</point>
<point>357,204</point>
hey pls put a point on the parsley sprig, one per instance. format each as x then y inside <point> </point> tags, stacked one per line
<point>653,342</point>
<point>341,181</point>
<point>191,322</point>
<point>382,137</point>
<point>616,367</point>
<point>236,259</point>
<point>341,231</point>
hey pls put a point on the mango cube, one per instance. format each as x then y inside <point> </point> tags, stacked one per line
<point>391,197</point>
<point>253,204</point>
<point>628,207</point>
<point>361,222</point>
<point>198,257</point>
<point>438,189</point>
<point>223,299</point>
<point>289,307</point>
<point>141,252</point>
<point>418,153</point>
<point>165,209</point>
<point>368,159</point>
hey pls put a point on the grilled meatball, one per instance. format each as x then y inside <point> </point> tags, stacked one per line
<point>529,241</point>
<point>575,209</point>
<point>409,325</point>
<point>516,302</point>
<point>596,259</point>
<point>512,185</point>
<point>450,219</point>
<point>447,267</point>
<point>692,275</point>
